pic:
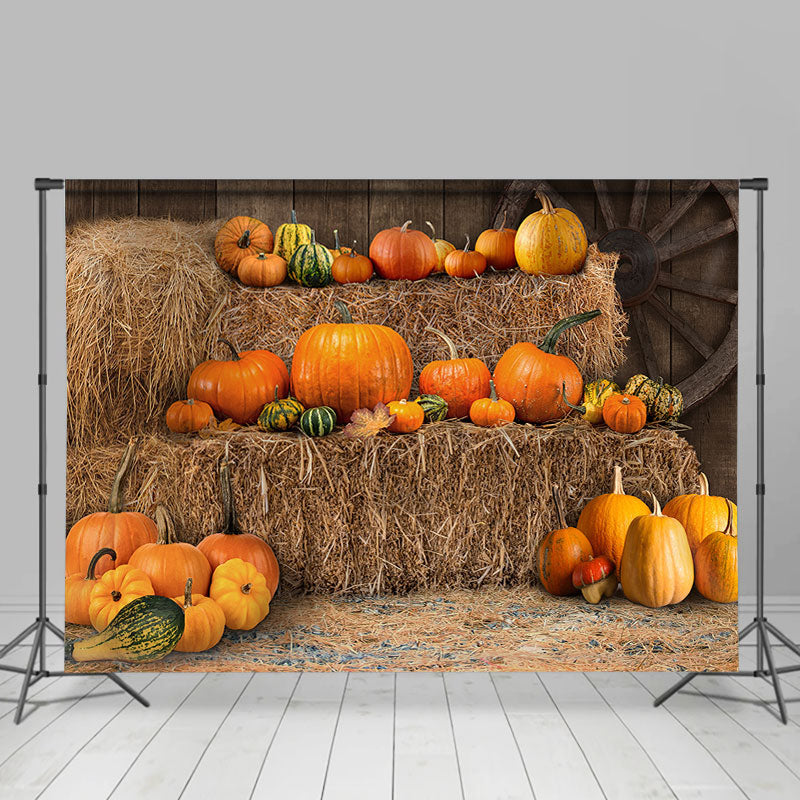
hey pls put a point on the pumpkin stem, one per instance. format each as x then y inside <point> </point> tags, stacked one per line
<point>116,596</point>
<point>579,409</point>
<point>246,588</point>
<point>492,392</point>
<point>548,345</point>
<point>729,527</point>
<point>276,393</point>
<point>448,341</point>
<point>344,312</point>
<point>703,484</point>
<point>352,252</point>
<point>559,510</point>
<point>656,506</point>
<point>228,509</point>
<point>433,230</point>
<point>244,240</point>
<point>466,246</point>
<point>617,485</point>
<point>166,527</point>
<point>187,594</point>
<point>547,206</point>
<point>313,237</point>
<point>502,225</point>
<point>233,350</point>
<point>116,501</point>
<point>294,218</point>
<point>105,551</point>
<point>405,225</point>
<point>336,239</point>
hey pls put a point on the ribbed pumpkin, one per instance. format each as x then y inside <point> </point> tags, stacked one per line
<point>497,246</point>
<point>78,590</point>
<point>203,621</point>
<point>465,264</point>
<point>189,416</point>
<point>347,366</point>
<point>551,241</point>
<point>113,591</point>
<point>310,265</point>
<point>656,568</point>
<point>350,267</point>
<point>595,395</point>
<point>408,416</point>
<point>559,553</point>
<point>169,563</point>
<point>240,237</point>
<point>403,254</point>
<point>606,518</point>
<point>700,514</point>
<point>535,380</point>
<point>663,402</point>
<point>458,381</point>
<point>716,564</point>
<point>318,421</point>
<point>241,592</point>
<point>281,414</point>
<point>241,386</point>
<point>443,248</point>
<point>434,406</point>
<point>262,270</point>
<point>290,236</point>
<point>624,413</point>
<point>232,542</point>
<point>122,531</point>
<point>491,412</point>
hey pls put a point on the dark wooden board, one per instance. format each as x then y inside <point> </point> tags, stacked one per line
<point>329,205</point>
<point>189,200</point>
<point>391,203</point>
<point>269,201</point>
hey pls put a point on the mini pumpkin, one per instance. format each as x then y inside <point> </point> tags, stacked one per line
<point>350,267</point>
<point>408,416</point>
<point>491,412</point>
<point>203,621</point>
<point>113,590</point>
<point>289,236</point>
<point>281,414</point>
<point>497,246</point>
<point>310,264</point>
<point>595,395</point>
<point>318,421</point>
<point>238,238</point>
<point>403,254</point>
<point>189,416</point>
<point>465,264</point>
<point>241,592</point>
<point>262,270</point>
<point>716,563</point>
<point>434,406</point>
<point>443,248</point>
<point>78,590</point>
<point>624,413</point>
<point>596,578</point>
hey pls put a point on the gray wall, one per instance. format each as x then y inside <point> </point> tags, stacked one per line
<point>600,90</point>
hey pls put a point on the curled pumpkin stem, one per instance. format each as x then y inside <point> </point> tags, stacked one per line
<point>579,409</point>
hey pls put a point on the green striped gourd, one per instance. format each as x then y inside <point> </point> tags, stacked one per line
<point>146,629</point>
<point>311,265</point>
<point>435,407</point>
<point>289,237</point>
<point>318,421</point>
<point>663,402</point>
<point>281,414</point>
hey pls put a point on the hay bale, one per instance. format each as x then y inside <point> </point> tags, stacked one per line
<point>146,302</point>
<point>452,506</point>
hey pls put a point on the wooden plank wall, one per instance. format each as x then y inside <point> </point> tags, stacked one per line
<point>361,208</point>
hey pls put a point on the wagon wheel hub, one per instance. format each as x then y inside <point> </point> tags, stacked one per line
<point>639,264</point>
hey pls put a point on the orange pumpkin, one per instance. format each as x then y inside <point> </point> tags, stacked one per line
<point>551,241</point>
<point>203,621</point>
<point>231,542</point>
<point>624,413</point>
<point>606,518</point>
<point>242,594</point>
<point>168,563</point>
<point>113,591</point>
<point>240,237</point>
<point>188,416</point>
<point>443,248</point>
<point>465,264</point>
<point>716,564</point>
<point>559,553</point>
<point>535,380</point>
<point>459,381</point>
<point>78,590</point>
<point>348,366</point>
<point>497,246</point>
<point>700,514</point>
<point>122,531</point>
<point>403,254</point>
<point>490,412</point>
<point>240,386</point>
<point>408,416</point>
<point>350,267</point>
<point>262,269</point>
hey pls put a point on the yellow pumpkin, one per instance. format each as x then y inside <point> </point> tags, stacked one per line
<point>656,568</point>
<point>241,592</point>
<point>204,621</point>
<point>113,591</point>
<point>606,518</point>
<point>443,248</point>
<point>78,590</point>
<point>716,564</point>
<point>595,395</point>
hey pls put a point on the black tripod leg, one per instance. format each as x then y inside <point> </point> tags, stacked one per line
<point>676,688</point>
<point>17,639</point>
<point>26,681</point>
<point>776,680</point>
<point>795,648</point>
<point>132,692</point>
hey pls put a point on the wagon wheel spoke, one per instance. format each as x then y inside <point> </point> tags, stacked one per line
<point>690,197</point>
<point>512,203</point>
<point>638,204</point>
<point>677,322</point>
<point>666,251</point>
<point>606,207</point>
<point>645,341</point>
<point>698,288</point>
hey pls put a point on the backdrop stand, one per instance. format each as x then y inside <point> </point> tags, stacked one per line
<point>33,673</point>
<point>760,624</point>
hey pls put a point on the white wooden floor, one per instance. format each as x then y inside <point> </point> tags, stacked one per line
<point>405,736</point>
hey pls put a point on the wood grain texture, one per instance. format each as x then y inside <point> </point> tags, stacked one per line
<point>189,200</point>
<point>468,209</point>
<point>78,200</point>
<point>391,203</point>
<point>330,205</point>
<point>269,201</point>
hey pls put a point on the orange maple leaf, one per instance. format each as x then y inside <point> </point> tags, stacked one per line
<point>365,423</point>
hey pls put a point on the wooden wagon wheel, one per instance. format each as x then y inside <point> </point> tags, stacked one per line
<point>642,254</point>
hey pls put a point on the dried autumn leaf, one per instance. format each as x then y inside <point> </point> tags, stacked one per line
<point>228,425</point>
<point>208,431</point>
<point>365,423</point>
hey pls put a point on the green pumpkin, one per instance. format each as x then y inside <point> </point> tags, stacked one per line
<point>289,237</point>
<point>318,421</point>
<point>435,407</point>
<point>280,414</point>
<point>663,402</point>
<point>311,265</point>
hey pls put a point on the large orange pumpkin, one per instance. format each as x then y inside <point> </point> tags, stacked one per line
<point>78,590</point>
<point>559,553</point>
<point>188,416</point>
<point>240,237</point>
<point>122,531</point>
<point>700,514</point>
<point>168,563</point>
<point>497,246</point>
<point>536,381</point>
<point>551,241</point>
<point>606,518</point>
<point>459,381</point>
<point>403,254</point>
<point>203,621</point>
<point>716,564</point>
<point>113,591</point>
<point>231,542</point>
<point>240,386</point>
<point>348,366</point>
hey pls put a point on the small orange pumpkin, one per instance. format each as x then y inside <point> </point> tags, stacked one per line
<point>113,591</point>
<point>189,416</point>
<point>408,416</point>
<point>242,594</point>
<point>204,621</point>
<point>240,237</point>
<point>262,270</point>
<point>465,264</point>
<point>351,267</point>
<point>78,590</point>
<point>443,248</point>
<point>716,563</point>
<point>491,412</point>
<point>624,413</point>
<point>497,246</point>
